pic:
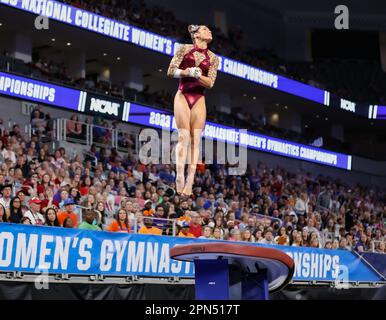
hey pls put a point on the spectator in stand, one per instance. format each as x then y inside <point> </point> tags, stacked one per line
<point>16,213</point>
<point>282,237</point>
<point>247,236</point>
<point>25,220</point>
<point>381,247</point>
<point>207,233</point>
<point>217,233</point>
<point>88,223</point>
<point>184,232</point>
<point>74,127</point>
<point>120,223</point>
<point>51,218</point>
<point>38,123</point>
<point>33,214</point>
<point>301,205</point>
<point>68,223</point>
<point>6,192</point>
<point>148,227</point>
<point>195,227</point>
<point>328,245</point>
<point>268,238</point>
<point>235,235</point>
<point>8,153</point>
<point>324,200</point>
<point>68,212</point>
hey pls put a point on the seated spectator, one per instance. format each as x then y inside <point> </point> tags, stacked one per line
<point>33,214</point>
<point>148,227</point>
<point>335,244</point>
<point>68,223</point>
<point>282,238</point>
<point>25,220</point>
<point>218,233</point>
<point>246,235</point>
<point>68,212</point>
<point>74,127</point>
<point>5,200</point>
<point>268,238</point>
<point>51,218</point>
<point>207,233</point>
<point>15,210</point>
<point>235,235</point>
<point>120,223</point>
<point>195,226</point>
<point>184,232</point>
<point>88,223</point>
<point>38,124</point>
<point>298,241</point>
<point>328,245</point>
<point>381,248</point>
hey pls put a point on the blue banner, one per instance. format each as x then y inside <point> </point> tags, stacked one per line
<point>35,249</point>
<point>38,91</point>
<point>151,117</point>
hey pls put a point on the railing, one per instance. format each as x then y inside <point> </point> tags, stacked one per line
<point>123,141</point>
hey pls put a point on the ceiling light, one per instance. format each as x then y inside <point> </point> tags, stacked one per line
<point>68,43</point>
<point>326,119</point>
<point>118,58</point>
<point>254,98</point>
<point>53,39</point>
<point>105,54</point>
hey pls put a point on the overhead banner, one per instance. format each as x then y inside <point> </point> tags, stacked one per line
<point>36,249</point>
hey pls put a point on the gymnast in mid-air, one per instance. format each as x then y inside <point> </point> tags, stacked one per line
<point>196,67</point>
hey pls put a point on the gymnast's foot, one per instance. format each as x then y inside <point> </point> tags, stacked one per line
<point>187,190</point>
<point>180,184</point>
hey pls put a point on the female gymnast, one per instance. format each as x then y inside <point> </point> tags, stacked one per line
<point>196,67</point>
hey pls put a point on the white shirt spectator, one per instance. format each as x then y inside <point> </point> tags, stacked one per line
<point>9,154</point>
<point>5,202</point>
<point>36,219</point>
<point>265,241</point>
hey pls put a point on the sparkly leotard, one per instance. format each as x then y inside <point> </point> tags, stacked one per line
<point>188,56</point>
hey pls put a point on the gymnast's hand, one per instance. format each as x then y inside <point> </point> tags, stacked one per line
<point>194,72</point>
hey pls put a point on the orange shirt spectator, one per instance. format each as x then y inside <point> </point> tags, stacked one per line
<point>115,227</point>
<point>151,230</point>
<point>63,215</point>
<point>186,235</point>
<point>68,213</point>
<point>185,231</point>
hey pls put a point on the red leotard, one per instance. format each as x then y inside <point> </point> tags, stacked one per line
<point>191,87</point>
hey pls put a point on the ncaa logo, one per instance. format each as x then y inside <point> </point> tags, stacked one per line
<point>104,106</point>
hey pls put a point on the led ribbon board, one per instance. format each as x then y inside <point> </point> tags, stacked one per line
<point>38,91</point>
<point>151,117</point>
<point>118,109</point>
